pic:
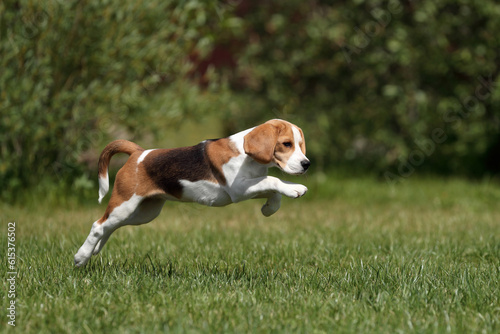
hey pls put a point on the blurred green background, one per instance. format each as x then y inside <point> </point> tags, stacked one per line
<point>387,88</point>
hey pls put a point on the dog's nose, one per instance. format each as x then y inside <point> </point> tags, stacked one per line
<point>305,164</point>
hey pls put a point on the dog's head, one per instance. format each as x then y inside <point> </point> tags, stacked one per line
<point>278,142</point>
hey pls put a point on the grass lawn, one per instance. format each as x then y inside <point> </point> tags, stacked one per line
<point>352,256</point>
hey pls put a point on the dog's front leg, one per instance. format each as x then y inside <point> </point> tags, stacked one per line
<point>269,187</point>
<point>272,204</point>
<point>265,186</point>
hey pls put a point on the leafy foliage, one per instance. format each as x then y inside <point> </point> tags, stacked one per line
<point>371,80</point>
<point>74,72</point>
<point>385,86</point>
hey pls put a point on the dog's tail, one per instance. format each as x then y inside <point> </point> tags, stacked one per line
<point>117,146</point>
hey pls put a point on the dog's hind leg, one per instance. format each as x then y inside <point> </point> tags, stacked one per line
<point>112,219</point>
<point>100,244</point>
<point>135,211</point>
<point>85,252</point>
<point>146,211</point>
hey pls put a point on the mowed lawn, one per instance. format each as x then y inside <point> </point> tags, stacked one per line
<point>352,256</point>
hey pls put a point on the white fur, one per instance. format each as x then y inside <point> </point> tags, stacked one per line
<point>204,192</point>
<point>143,155</point>
<point>103,186</point>
<point>85,252</point>
<point>294,165</point>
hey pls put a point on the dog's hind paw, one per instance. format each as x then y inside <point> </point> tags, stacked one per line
<point>81,259</point>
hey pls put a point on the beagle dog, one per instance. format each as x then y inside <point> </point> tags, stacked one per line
<point>214,173</point>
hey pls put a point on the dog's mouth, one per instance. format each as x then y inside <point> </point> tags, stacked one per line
<point>290,171</point>
<point>299,173</point>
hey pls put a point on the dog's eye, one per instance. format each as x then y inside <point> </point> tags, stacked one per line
<point>287,144</point>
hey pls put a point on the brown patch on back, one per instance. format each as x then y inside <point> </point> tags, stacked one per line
<point>219,153</point>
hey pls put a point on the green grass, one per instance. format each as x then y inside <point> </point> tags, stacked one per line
<point>353,256</point>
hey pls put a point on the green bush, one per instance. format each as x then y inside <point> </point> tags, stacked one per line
<point>77,72</point>
<point>371,80</point>
<point>391,87</point>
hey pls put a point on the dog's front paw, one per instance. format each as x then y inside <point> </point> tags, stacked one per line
<point>295,190</point>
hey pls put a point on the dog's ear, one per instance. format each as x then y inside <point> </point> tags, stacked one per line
<point>261,142</point>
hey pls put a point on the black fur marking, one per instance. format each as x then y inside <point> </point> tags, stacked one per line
<point>167,166</point>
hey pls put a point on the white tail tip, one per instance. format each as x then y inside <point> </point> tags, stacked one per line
<point>103,187</point>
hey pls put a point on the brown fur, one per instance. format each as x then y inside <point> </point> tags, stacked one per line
<point>260,142</point>
<point>265,143</point>
<point>117,146</point>
<point>130,179</point>
<point>219,152</point>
